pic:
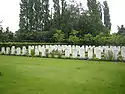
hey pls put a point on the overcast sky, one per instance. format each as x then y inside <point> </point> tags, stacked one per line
<point>10,9</point>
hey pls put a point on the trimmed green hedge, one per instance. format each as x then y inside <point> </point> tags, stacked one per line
<point>20,44</point>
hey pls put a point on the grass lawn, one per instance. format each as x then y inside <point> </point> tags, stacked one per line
<point>26,75</point>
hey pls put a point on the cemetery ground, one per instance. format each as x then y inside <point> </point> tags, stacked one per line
<point>32,75</point>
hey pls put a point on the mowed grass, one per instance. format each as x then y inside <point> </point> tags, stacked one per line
<point>27,75</point>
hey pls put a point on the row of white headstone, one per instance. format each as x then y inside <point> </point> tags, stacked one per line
<point>69,51</point>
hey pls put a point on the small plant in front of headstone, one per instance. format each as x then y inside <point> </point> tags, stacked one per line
<point>32,52</point>
<point>110,53</point>
<point>120,58</point>
<point>26,52</point>
<point>59,54</point>
<point>1,74</point>
<point>47,53</point>
<point>103,56</point>
<point>53,54</point>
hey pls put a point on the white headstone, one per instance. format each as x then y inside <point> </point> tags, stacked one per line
<point>3,50</point>
<point>90,53</point>
<point>18,51</point>
<point>30,48</point>
<point>67,52</point>
<point>36,51</point>
<point>13,50</point>
<point>50,49</point>
<point>74,53</point>
<point>82,53</point>
<point>8,50</point>
<point>60,49</point>
<point>39,48</point>
<point>123,52</point>
<point>24,50</point>
<point>115,51</point>
<point>108,53</point>
<point>43,53</point>
<point>86,48</point>
<point>98,53</point>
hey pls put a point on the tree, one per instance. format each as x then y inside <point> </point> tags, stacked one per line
<point>30,15</point>
<point>63,19</point>
<point>8,35</point>
<point>121,30</point>
<point>46,14</point>
<point>107,21</point>
<point>95,13</point>
<point>1,32</point>
<point>34,15</point>
<point>94,8</point>
<point>38,15</point>
<point>65,16</point>
<point>23,24</point>
<point>56,18</point>
<point>70,17</point>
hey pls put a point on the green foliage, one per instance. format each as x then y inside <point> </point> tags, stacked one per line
<point>88,39</point>
<point>53,54</point>
<point>56,54</point>
<point>32,52</point>
<point>58,36</point>
<point>73,37</point>
<point>6,36</point>
<point>101,39</point>
<point>120,58</point>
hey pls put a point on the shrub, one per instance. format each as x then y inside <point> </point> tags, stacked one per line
<point>32,53</point>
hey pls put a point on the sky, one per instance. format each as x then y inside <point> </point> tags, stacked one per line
<point>10,9</point>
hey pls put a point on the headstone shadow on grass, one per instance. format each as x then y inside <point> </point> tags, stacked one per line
<point>1,74</point>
